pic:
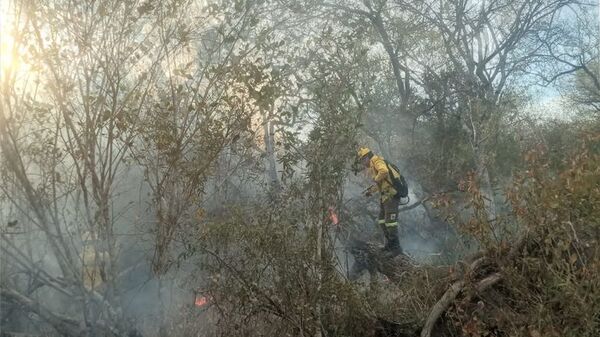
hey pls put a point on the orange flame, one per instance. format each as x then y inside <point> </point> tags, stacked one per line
<point>200,301</point>
<point>333,216</point>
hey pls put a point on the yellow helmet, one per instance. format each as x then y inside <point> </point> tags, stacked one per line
<point>363,151</point>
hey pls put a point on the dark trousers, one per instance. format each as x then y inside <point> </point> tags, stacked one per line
<point>388,221</point>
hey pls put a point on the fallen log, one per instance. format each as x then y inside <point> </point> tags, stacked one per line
<point>454,290</point>
<point>440,307</point>
<point>371,256</point>
<point>64,325</point>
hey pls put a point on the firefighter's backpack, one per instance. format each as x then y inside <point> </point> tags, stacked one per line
<point>399,182</point>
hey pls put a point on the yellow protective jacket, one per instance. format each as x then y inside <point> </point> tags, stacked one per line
<point>378,170</point>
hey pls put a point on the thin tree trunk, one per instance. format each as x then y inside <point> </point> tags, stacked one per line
<point>162,326</point>
<point>485,182</point>
<point>318,257</point>
<point>318,261</point>
<point>269,135</point>
<point>397,68</point>
<point>476,128</point>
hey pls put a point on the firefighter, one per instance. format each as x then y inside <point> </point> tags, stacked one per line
<point>389,198</point>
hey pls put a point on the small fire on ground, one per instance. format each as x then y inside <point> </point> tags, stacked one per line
<point>201,301</point>
<point>333,216</point>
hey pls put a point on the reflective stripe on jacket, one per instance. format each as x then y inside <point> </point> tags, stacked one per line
<point>378,170</point>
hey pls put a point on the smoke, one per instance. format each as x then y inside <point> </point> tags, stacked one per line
<point>418,238</point>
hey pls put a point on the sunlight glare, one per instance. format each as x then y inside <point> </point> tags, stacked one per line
<point>8,61</point>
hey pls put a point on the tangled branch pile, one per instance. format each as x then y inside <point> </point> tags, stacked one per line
<point>534,282</point>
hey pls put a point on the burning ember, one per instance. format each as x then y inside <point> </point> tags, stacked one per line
<point>333,216</point>
<point>201,301</point>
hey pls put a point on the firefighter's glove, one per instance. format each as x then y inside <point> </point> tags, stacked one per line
<point>369,191</point>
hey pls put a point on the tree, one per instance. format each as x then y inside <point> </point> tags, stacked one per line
<point>570,46</point>
<point>107,87</point>
<point>487,44</point>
